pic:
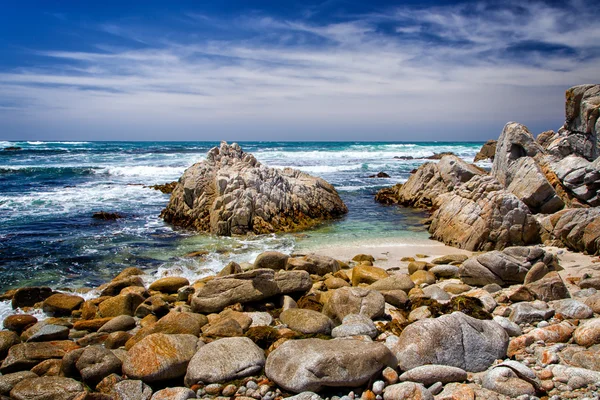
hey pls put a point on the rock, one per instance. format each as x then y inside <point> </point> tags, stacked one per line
<point>314,264</point>
<point>593,302</point>
<point>117,339</point>
<point>558,333</point>
<point>510,327</point>
<point>434,292</point>
<point>181,323</point>
<point>306,321</point>
<point>388,195</point>
<point>18,322</point>
<point>505,267</point>
<point>224,327</point>
<point>429,374</point>
<point>454,339</point>
<point>450,259</point>
<point>232,193</point>
<point>160,357</point>
<point>335,283</point>
<point>578,229</point>
<point>570,308</point>
<point>588,334</point>
<point>120,323</point>
<point>407,390</point>
<point>131,390</point>
<point>60,304</point>
<point>28,296</point>
<point>550,287</point>
<point>46,332</point>
<point>26,355</point>
<point>313,364</point>
<point>506,381</point>
<point>177,393</point>
<point>271,260</point>
<point>351,300</point>
<point>579,178</point>
<point>394,282</point>
<point>123,304</point>
<point>487,151</point>
<point>564,373</point>
<point>96,363</point>
<point>154,305</point>
<point>7,340</point>
<point>536,272</point>
<point>169,284</point>
<point>247,287</point>
<point>261,318</point>
<point>107,216</point>
<point>367,274</point>
<point>91,324</point>
<point>422,276</point>
<point>166,188</point>
<point>46,387</point>
<point>114,288</point>
<point>225,360</point>
<point>379,175</point>
<point>13,148</point>
<point>432,180</point>
<point>444,271</point>
<point>8,381</point>
<point>530,312</point>
<point>480,215</point>
<point>355,325</point>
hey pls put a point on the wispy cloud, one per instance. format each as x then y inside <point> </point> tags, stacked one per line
<point>473,64</point>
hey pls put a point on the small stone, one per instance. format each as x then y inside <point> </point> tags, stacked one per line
<point>213,388</point>
<point>390,375</point>
<point>378,387</point>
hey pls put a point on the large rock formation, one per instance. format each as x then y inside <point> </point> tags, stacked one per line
<point>487,151</point>
<point>433,179</point>
<point>579,134</point>
<point>231,193</point>
<point>481,215</point>
<point>579,177</point>
<point>517,170</point>
<point>578,229</point>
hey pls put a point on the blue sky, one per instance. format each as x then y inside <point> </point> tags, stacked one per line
<point>290,70</point>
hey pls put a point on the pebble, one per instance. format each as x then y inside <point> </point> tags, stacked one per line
<point>436,388</point>
<point>251,385</point>
<point>229,390</point>
<point>378,387</point>
<point>390,375</point>
<point>213,388</point>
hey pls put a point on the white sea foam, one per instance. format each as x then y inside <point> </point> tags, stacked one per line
<point>6,310</point>
<point>156,174</point>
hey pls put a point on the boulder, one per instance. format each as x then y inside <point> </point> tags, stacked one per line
<point>131,390</point>
<point>96,363</point>
<point>407,390</point>
<point>61,304</point>
<point>18,322</point>
<point>8,381</point>
<point>367,274</point>
<point>232,193</point>
<point>272,260</point>
<point>7,340</point>
<point>225,360</point>
<point>351,300</point>
<point>116,285</point>
<point>314,264</point>
<point>481,215</point>
<point>434,179</point>
<point>394,282</point>
<point>453,339</point>
<point>487,151</point>
<point>47,387</point>
<point>123,304</point>
<point>570,308</point>
<point>430,374</point>
<point>169,284</point>
<point>160,357</point>
<point>120,323</point>
<point>550,287</point>
<point>507,381</point>
<point>314,364</point>
<point>527,313</point>
<point>306,321</point>
<point>580,177</point>
<point>246,287</point>
<point>577,228</point>
<point>506,267</point>
<point>176,393</point>
<point>588,333</point>
<point>26,355</point>
<point>355,325</point>
<point>28,296</point>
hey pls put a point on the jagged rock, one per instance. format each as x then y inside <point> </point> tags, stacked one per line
<point>580,177</point>
<point>578,229</point>
<point>579,134</point>
<point>232,193</point>
<point>225,360</point>
<point>46,387</point>
<point>480,215</point>
<point>515,168</point>
<point>505,267</point>
<point>254,285</point>
<point>313,364</point>
<point>432,179</point>
<point>453,339</point>
<point>487,151</point>
<point>160,357</point>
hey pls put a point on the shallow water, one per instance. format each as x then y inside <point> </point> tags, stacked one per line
<point>49,190</point>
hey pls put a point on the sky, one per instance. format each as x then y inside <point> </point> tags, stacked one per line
<point>290,70</point>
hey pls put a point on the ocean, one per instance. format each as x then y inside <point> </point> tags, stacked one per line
<point>49,191</point>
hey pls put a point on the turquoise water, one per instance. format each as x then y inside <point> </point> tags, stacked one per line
<point>49,191</point>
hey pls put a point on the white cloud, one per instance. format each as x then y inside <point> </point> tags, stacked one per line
<point>350,73</point>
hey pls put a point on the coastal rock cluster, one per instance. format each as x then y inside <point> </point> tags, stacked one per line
<point>231,193</point>
<point>542,190</point>
<point>496,325</point>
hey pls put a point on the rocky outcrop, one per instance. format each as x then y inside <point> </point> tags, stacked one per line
<point>577,229</point>
<point>487,151</point>
<point>481,215</point>
<point>580,177</point>
<point>517,170</point>
<point>434,179</point>
<point>231,193</point>
<point>506,267</point>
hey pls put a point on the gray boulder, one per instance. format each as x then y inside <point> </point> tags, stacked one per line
<point>577,228</point>
<point>454,339</point>
<point>355,325</point>
<point>506,267</point>
<point>407,390</point>
<point>580,177</point>
<point>314,364</point>
<point>47,387</point>
<point>96,363</point>
<point>527,313</point>
<point>430,374</point>
<point>354,300</point>
<point>225,360</point>
<point>306,321</point>
<point>131,390</point>
<point>231,193</point>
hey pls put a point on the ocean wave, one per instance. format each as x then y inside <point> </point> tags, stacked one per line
<point>321,168</point>
<point>46,170</point>
<point>157,174</point>
<point>38,143</point>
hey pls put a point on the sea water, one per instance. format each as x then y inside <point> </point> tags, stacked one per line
<point>50,190</point>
